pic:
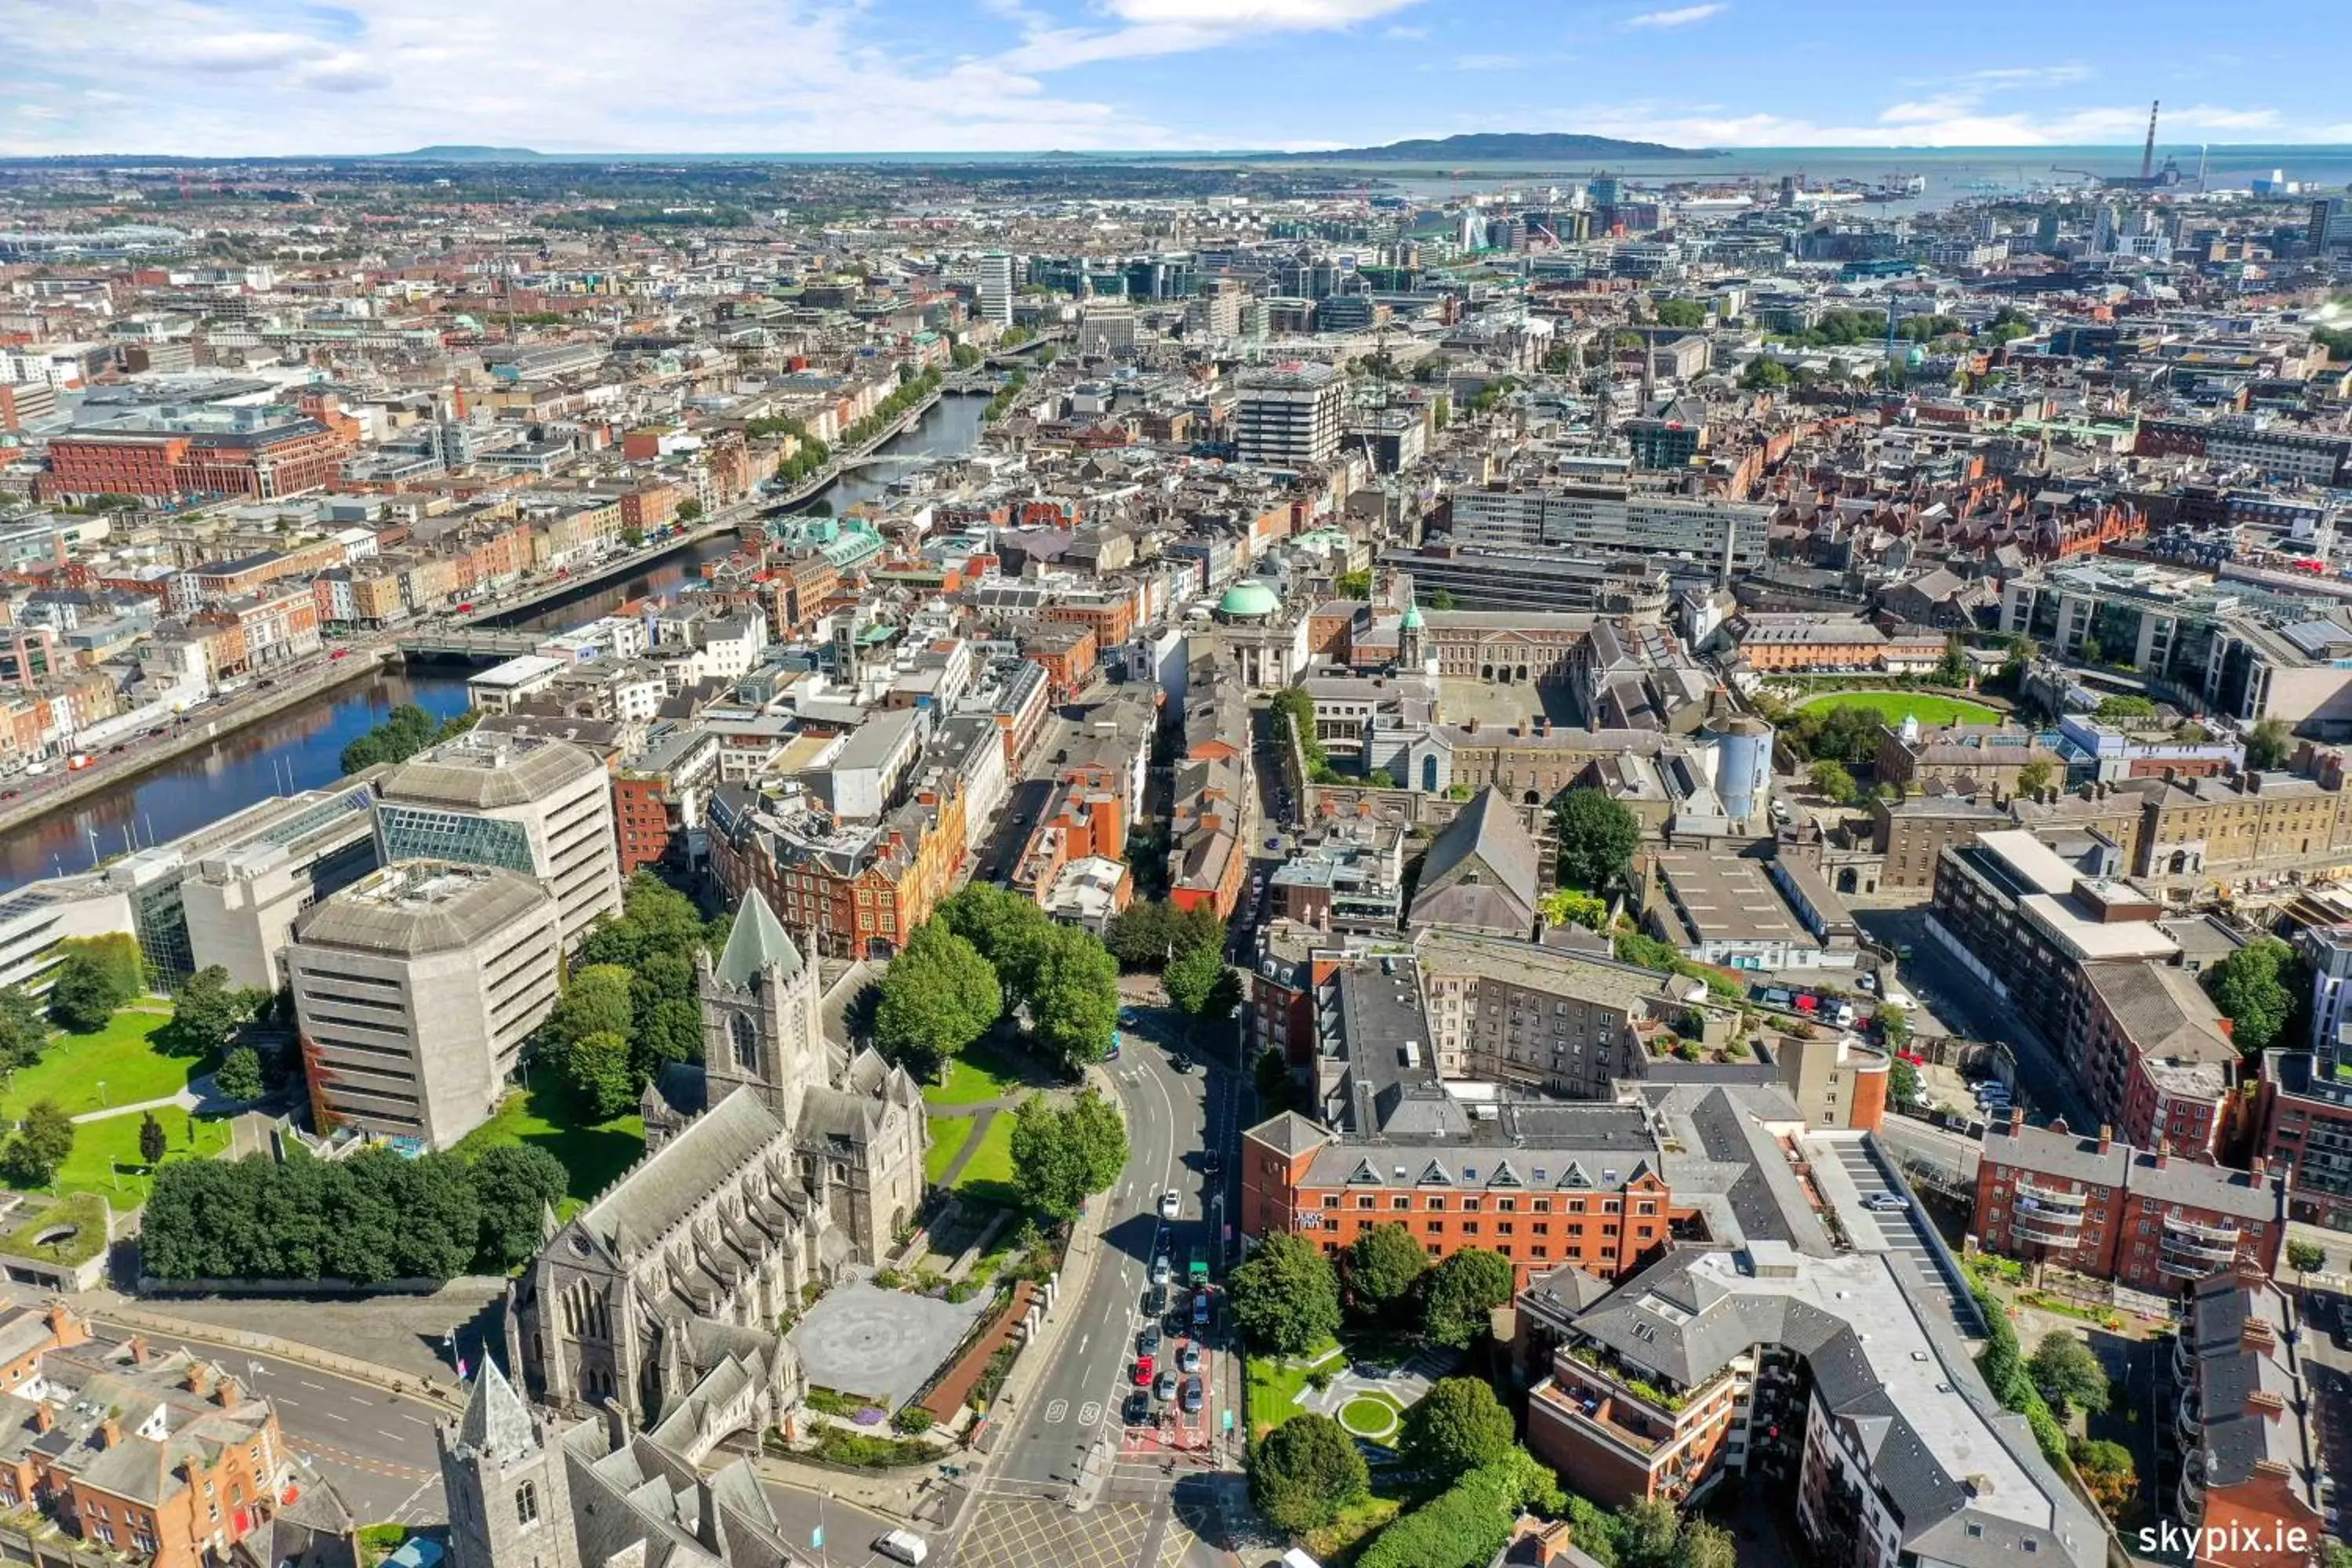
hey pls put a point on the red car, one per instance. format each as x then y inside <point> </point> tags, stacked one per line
<point>1143,1371</point>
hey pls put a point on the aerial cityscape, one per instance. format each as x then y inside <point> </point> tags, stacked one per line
<point>1024,787</point>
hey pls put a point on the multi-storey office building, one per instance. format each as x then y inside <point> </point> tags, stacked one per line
<point>1611,520</point>
<point>415,989</point>
<point>1289,415</point>
<point>542,807</point>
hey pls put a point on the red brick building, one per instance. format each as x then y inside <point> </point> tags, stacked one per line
<point>157,461</point>
<point>2153,1220</point>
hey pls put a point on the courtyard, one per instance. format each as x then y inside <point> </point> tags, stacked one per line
<point>881,1344</point>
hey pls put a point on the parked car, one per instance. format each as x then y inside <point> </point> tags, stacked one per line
<point>1200,1310</point>
<point>1143,1364</point>
<point>1162,1271</point>
<point>1193,1392</point>
<point>1171,1205</point>
<point>1165,1389</point>
<point>1147,1340</point>
<point>1189,1358</point>
<point>1885,1202</point>
<point>1155,1300</point>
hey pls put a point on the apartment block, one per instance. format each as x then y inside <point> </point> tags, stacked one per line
<point>2151,1219</point>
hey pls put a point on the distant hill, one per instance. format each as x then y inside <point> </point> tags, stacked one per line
<point>462,154</point>
<point>1501,147</point>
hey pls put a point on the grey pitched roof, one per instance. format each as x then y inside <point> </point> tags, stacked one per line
<point>2053,1153</point>
<point>1481,872</point>
<point>497,1424</point>
<point>757,940</point>
<point>668,1185</point>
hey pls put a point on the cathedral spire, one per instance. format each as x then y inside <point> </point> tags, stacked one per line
<point>497,1424</point>
<point>757,940</point>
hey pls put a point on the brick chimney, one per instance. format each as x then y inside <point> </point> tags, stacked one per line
<point>228,1394</point>
<point>2256,1169</point>
<point>2265,1403</point>
<point>43,1417</point>
<point>2107,1136</point>
<point>2163,1153</point>
<point>136,1345</point>
<point>111,1430</point>
<point>200,1379</point>
<point>2016,1120</point>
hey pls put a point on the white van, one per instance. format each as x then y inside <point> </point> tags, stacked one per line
<point>903,1546</point>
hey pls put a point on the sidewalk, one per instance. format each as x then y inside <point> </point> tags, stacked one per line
<point>1078,1273</point>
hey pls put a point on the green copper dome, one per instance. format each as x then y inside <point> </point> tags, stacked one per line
<point>1248,600</point>
<point>1413,621</point>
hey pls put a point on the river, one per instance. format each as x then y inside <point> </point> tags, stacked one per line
<point>301,747</point>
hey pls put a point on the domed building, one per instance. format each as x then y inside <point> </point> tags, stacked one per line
<point>1248,599</point>
<point>1266,638</point>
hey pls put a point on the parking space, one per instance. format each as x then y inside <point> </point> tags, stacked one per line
<point>1902,1226</point>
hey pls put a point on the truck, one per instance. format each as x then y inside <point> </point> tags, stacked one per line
<point>1196,1272</point>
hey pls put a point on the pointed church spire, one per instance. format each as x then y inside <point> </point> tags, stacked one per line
<point>497,1424</point>
<point>757,940</point>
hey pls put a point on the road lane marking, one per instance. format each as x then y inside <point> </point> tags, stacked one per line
<point>1090,1413</point>
<point>1056,1410</point>
<point>333,1417</point>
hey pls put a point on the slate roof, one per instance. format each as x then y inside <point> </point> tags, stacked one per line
<point>756,941</point>
<point>1481,872</point>
<point>497,1424</point>
<point>1962,1475</point>
<point>672,1182</point>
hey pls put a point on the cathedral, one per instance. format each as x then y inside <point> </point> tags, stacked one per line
<point>780,1161</point>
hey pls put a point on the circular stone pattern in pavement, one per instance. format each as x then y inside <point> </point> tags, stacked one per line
<point>1369,1416</point>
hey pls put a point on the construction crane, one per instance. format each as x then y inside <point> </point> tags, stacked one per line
<point>2148,152</point>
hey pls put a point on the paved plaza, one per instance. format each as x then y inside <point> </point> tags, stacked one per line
<point>884,1344</point>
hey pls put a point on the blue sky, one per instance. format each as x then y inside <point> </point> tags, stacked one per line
<point>256,76</point>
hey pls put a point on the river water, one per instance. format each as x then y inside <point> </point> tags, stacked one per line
<point>301,747</point>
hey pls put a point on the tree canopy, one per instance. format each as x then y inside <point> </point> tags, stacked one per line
<point>208,1009</point>
<point>99,975</point>
<point>1151,933</point>
<point>1597,839</point>
<point>1062,1154</point>
<point>44,1141</point>
<point>1305,1471</point>
<point>2259,988</point>
<point>1456,1426</point>
<point>375,1216</point>
<point>938,996</point>
<point>1286,1295</point>
<point>405,730</point>
<point>2069,1374</point>
<point>1463,1291</point>
<point>1383,1264</point>
<point>1467,1524</point>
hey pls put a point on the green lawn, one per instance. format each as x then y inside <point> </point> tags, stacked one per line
<point>86,1241</point>
<point>988,1176</point>
<point>106,1160</point>
<point>120,1065</point>
<point>1274,1385</point>
<point>596,1153</point>
<point>948,1134</point>
<point>1372,1415</point>
<point>984,1071</point>
<point>1926,706</point>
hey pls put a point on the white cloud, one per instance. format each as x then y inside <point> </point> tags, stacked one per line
<point>1158,27</point>
<point>209,77</point>
<point>1403,32</point>
<point>2030,76</point>
<point>1681,16</point>
<point>1955,119</point>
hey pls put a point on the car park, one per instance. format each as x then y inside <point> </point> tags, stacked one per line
<point>1147,1340</point>
<point>1884,1202</point>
